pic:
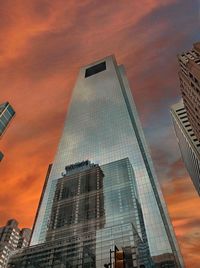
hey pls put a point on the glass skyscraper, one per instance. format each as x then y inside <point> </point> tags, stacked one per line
<point>102,125</point>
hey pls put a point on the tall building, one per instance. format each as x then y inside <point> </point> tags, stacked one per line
<point>11,238</point>
<point>102,125</point>
<point>189,74</point>
<point>95,209</point>
<point>6,114</point>
<point>188,143</point>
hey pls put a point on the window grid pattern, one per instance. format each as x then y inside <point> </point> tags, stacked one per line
<point>189,145</point>
<point>98,127</point>
<point>6,114</point>
<point>77,246</point>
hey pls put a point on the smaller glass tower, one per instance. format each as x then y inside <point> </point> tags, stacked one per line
<point>6,114</point>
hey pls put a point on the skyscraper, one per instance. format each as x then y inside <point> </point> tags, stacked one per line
<point>6,114</point>
<point>188,143</point>
<point>102,125</point>
<point>189,74</point>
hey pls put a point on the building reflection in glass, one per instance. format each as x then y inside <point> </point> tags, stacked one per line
<point>102,125</point>
<point>94,209</point>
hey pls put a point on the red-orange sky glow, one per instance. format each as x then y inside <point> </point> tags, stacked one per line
<point>44,43</point>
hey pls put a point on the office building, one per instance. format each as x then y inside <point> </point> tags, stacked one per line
<point>6,115</point>
<point>10,239</point>
<point>95,209</point>
<point>188,143</point>
<point>102,125</point>
<point>189,74</point>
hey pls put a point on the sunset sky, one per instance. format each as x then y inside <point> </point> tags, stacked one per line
<point>43,45</point>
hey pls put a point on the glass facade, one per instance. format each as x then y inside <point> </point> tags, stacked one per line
<point>6,114</point>
<point>93,211</point>
<point>102,125</point>
<point>1,155</point>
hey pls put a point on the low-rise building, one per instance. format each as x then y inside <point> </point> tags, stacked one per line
<point>12,238</point>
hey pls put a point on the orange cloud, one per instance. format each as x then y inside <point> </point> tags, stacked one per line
<point>43,44</point>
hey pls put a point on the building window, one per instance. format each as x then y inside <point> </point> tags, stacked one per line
<point>95,69</point>
<point>180,109</point>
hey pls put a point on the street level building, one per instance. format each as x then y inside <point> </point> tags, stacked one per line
<point>189,74</point>
<point>102,125</point>
<point>6,115</point>
<point>12,238</point>
<point>188,143</point>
